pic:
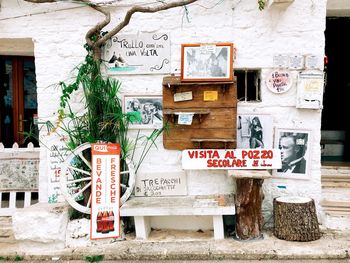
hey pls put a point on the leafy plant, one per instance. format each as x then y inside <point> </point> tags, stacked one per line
<point>96,258</point>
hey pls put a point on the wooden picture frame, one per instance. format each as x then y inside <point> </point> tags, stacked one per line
<point>207,62</point>
<point>150,108</point>
<point>295,146</point>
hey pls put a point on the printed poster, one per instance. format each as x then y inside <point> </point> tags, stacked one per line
<point>105,191</point>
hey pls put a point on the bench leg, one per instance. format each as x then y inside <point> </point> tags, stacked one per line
<point>142,227</point>
<point>218,227</point>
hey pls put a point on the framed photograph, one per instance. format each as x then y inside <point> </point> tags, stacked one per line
<point>147,111</point>
<point>254,131</point>
<point>295,153</point>
<point>207,62</point>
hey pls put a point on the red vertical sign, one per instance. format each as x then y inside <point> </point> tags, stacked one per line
<point>105,191</point>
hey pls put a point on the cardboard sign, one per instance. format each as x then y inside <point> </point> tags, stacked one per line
<point>105,191</point>
<point>209,159</point>
<point>210,95</point>
<point>161,183</point>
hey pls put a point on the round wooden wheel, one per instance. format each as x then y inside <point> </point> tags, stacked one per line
<point>75,179</point>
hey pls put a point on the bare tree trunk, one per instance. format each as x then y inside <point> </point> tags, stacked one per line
<point>295,219</point>
<point>249,219</point>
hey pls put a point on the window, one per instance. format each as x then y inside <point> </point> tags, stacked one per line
<point>18,99</point>
<point>248,85</point>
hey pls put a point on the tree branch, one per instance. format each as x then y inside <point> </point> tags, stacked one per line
<point>97,28</point>
<point>140,9</point>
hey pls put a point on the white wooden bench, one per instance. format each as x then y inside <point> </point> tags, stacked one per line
<point>142,208</point>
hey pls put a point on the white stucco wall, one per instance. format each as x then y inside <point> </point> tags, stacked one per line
<point>58,31</point>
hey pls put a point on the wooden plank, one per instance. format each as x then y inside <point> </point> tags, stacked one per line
<point>249,174</point>
<point>198,133</point>
<point>180,205</point>
<point>193,110</point>
<point>227,98</point>
<point>337,203</point>
<point>216,119</point>
<point>182,145</point>
<point>176,81</point>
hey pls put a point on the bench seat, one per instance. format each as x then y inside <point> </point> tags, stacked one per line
<point>142,208</point>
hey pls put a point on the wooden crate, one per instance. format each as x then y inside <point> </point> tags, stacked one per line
<point>214,122</point>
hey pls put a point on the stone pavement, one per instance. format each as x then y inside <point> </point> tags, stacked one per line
<point>186,245</point>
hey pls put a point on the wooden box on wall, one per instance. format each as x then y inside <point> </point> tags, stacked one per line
<point>214,122</point>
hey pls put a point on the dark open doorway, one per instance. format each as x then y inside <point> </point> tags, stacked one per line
<point>336,111</point>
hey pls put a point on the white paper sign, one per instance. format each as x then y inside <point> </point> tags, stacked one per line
<point>280,61</point>
<point>183,96</point>
<point>161,184</point>
<point>56,154</point>
<point>296,62</point>
<point>185,118</point>
<point>310,91</point>
<point>212,159</point>
<point>146,53</point>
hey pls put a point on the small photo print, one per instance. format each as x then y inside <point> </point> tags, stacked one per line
<point>254,131</point>
<point>295,153</point>
<point>147,110</point>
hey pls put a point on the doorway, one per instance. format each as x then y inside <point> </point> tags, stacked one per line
<point>336,112</point>
<point>18,100</point>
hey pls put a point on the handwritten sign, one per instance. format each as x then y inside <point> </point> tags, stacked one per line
<point>57,152</point>
<point>138,54</point>
<point>161,184</point>
<point>231,159</point>
<point>183,96</point>
<point>279,81</point>
<point>105,191</point>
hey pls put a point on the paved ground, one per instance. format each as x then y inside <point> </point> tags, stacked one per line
<point>176,247</point>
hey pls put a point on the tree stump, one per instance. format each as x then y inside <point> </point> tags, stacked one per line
<point>249,219</point>
<point>295,219</point>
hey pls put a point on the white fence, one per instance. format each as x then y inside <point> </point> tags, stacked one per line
<point>19,175</point>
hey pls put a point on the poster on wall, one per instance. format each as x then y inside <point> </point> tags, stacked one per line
<point>295,153</point>
<point>310,90</point>
<point>146,111</point>
<point>145,53</point>
<point>254,131</point>
<point>105,191</point>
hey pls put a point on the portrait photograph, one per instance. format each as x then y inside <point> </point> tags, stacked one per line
<point>295,153</point>
<point>147,111</point>
<point>254,131</point>
<point>207,62</point>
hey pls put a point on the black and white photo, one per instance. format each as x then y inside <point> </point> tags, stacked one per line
<point>295,151</point>
<point>254,131</point>
<point>207,62</point>
<point>147,111</point>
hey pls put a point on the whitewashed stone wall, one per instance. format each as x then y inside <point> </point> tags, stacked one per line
<point>58,32</point>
